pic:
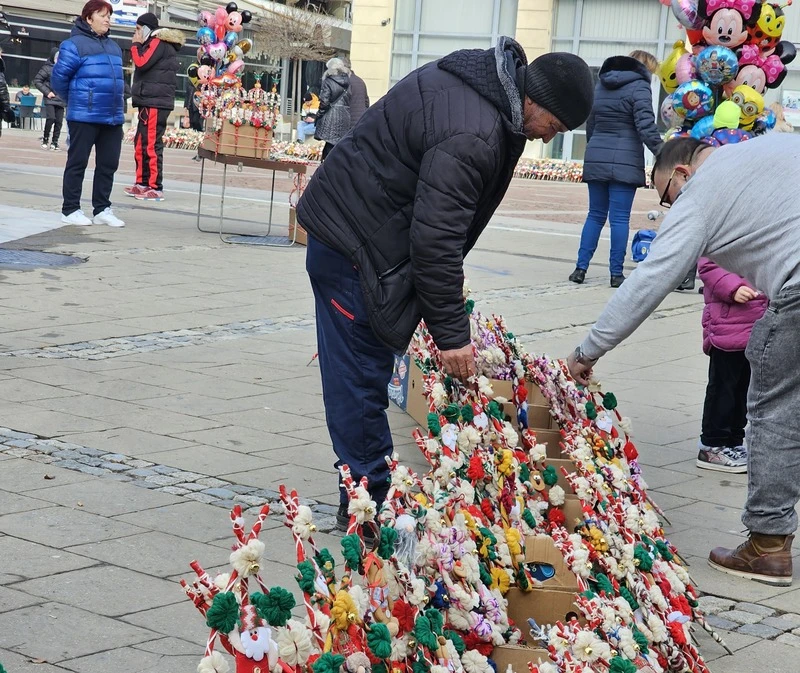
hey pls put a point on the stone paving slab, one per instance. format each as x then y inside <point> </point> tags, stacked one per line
<point>24,560</point>
<point>70,632</point>
<point>104,590</point>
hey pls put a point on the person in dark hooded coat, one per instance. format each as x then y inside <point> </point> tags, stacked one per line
<point>53,104</point>
<point>392,212</point>
<point>622,120</point>
<point>333,118</point>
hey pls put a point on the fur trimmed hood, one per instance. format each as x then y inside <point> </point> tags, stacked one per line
<point>171,35</point>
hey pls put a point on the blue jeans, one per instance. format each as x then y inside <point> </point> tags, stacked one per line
<point>355,369</point>
<point>612,201</point>
<point>305,129</point>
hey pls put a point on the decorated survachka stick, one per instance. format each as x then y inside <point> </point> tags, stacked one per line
<point>291,506</point>
<point>367,513</point>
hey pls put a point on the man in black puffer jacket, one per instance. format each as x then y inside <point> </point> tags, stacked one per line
<point>397,205</point>
<point>155,55</point>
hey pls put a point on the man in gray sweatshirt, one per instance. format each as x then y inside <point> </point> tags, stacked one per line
<point>739,206</point>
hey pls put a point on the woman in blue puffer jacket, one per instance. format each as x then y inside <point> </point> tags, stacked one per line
<point>89,77</point>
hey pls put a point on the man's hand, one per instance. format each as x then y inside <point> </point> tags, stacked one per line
<point>582,373</point>
<point>744,294</point>
<point>459,362</point>
<point>51,95</point>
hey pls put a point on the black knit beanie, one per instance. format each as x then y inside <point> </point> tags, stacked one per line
<point>562,84</point>
<point>148,19</point>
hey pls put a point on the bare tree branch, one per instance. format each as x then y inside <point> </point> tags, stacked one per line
<point>294,33</point>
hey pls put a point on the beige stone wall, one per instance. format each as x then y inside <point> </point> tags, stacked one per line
<point>371,45</point>
<point>534,26</point>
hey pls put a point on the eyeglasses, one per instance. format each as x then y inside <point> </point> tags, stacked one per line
<point>663,202</point>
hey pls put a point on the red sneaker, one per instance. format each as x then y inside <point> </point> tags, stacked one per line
<point>136,189</point>
<point>150,195</point>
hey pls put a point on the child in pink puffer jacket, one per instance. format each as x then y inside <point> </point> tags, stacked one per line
<point>732,307</point>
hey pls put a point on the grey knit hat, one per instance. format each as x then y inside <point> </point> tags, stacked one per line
<point>562,84</point>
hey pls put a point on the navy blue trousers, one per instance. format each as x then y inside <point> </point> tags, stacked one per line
<point>356,368</point>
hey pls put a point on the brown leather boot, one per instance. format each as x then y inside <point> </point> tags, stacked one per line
<point>763,558</point>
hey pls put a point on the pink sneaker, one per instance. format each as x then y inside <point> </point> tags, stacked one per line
<point>135,190</point>
<point>150,195</point>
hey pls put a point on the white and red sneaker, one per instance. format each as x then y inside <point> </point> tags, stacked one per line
<point>135,190</point>
<point>150,195</point>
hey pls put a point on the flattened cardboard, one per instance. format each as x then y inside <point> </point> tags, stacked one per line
<point>545,606</point>
<point>301,237</point>
<point>416,405</point>
<point>552,439</point>
<point>541,549</point>
<point>518,657</point>
<point>572,511</point>
<point>569,466</point>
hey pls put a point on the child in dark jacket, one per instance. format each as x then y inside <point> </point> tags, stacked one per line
<point>732,307</point>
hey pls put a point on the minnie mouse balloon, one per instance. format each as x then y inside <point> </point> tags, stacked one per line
<point>234,22</point>
<point>205,35</point>
<point>728,21</point>
<point>686,12</point>
<point>717,65</point>
<point>693,100</point>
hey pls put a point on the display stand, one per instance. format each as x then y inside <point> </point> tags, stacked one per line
<point>241,238</point>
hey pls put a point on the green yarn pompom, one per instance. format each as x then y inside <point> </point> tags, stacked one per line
<point>527,517</point>
<point>351,551</point>
<point>276,607</point>
<point>467,413</point>
<point>591,411</point>
<point>457,640</point>
<point>642,558</point>
<point>664,550</point>
<point>386,545</point>
<point>641,640</point>
<point>223,615</point>
<point>604,584</point>
<point>469,306</point>
<point>628,596</point>
<point>420,665</point>
<point>328,663</point>
<point>434,425</point>
<point>436,619</point>
<point>379,640</point>
<point>610,401</point>
<point>620,665</point>
<point>423,632</point>
<point>550,476</point>
<point>494,410</point>
<point>451,412</point>
<point>307,577</point>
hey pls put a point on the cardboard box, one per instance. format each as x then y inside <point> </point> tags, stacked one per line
<point>415,405</point>
<point>243,141</point>
<point>518,657</point>
<point>301,237</point>
<point>545,606</point>
<point>552,440</point>
<point>541,549</point>
<point>572,511</point>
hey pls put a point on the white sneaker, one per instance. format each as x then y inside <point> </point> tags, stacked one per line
<point>77,218</point>
<point>108,217</point>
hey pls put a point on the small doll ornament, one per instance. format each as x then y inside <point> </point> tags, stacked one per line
<point>256,651</point>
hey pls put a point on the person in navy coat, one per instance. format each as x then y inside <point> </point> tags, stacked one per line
<point>621,121</point>
<point>89,77</point>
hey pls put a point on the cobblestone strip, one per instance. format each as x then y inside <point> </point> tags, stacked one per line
<point>752,619</point>
<point>144,474</point>
<point>102,349</point>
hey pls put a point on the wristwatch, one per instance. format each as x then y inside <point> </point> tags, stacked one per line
<point>583,359</point>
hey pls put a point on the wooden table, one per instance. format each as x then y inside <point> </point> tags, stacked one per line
<point>226,160</point>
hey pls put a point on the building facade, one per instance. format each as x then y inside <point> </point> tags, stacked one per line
<point>392,37</point>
